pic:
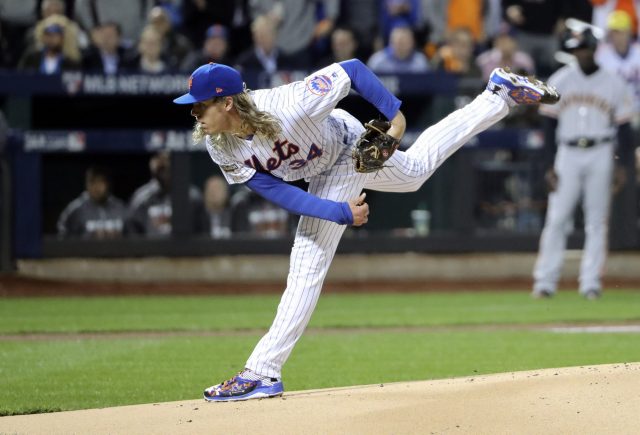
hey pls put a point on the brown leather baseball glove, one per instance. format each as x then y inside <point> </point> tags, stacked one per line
<point>374,147</point>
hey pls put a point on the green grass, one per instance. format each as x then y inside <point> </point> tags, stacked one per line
<point>74,373</point>
<point>257,311</point>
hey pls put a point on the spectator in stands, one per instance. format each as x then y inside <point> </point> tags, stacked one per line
<point>215,49</point>
<point>54,53</point>
<point>176,46</point>
<point>298,25</point>
<point>51,7</point>
<point>130,14</point>
<point>602,9</point>
<point>264,55</point>
<point>481,17</point>
<point>344,46</point>
<point>106,54</point>
<point>96,213</point>
<point>621,52</point>
<point>536,23</point>
<point>456,55</point>
<point>362,16</point>
<point>256,216</point>
<point>399,13</point>
<point>505,53</point>
<point>216,201</point>
<point>173,10</point>
<point>400,56</point>
<point>149,58</point>
<point>74,38</point>
<point>58,7</point>
<point>150,207</point>
<point>199,15</point>
<point>17,18</point>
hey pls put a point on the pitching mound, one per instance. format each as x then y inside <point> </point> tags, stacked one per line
<point>595,399</point>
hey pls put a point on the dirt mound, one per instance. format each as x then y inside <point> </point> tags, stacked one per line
<point>593,399</point>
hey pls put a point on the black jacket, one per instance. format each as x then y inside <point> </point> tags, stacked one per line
<point>32,60</point>
<point>92,60</point>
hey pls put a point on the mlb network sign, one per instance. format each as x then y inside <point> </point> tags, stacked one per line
<point>134,84</point>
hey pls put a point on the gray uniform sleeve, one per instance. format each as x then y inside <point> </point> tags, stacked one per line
<point>69,221</point>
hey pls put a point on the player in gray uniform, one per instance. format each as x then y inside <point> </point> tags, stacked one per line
<point>150,207</point>
<point>95,213</point>
<point>592,117</point>
<point>263,137</point>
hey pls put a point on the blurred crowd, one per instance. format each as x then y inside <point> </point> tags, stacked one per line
<point>468,37</point>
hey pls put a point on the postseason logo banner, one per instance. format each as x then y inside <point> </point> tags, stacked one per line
<point>78,141</point>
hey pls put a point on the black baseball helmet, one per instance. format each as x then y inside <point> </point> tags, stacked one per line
<point>575,39</point>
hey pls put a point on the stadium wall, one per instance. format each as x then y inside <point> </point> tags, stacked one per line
<point>346,268</point>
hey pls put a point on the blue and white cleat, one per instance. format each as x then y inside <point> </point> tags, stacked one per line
<point>518,89</point>
<point>239,388</point>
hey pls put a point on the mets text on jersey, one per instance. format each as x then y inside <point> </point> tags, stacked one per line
<point>284,151</point>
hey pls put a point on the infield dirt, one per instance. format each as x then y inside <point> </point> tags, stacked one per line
<point>574,400</point>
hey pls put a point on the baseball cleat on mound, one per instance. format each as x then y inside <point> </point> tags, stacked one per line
<point>239,388</point>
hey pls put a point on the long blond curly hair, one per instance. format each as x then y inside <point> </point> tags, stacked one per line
<point>70,46</point>
<point>262,124</point>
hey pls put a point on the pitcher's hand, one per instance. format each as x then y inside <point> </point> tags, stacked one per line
<point>398,126</point>
<point>359,210</point>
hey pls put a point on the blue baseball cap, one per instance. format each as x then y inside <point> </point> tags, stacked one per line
<point>54,28</point>
<point>216,31</point>
<point>212,80</point>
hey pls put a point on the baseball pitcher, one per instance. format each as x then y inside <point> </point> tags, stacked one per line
<point>263,137</point>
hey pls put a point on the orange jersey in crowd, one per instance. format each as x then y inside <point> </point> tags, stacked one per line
<point>466,13</point>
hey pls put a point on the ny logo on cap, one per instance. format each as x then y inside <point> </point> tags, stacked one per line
<point>190,82</point>
<point>218,90</point>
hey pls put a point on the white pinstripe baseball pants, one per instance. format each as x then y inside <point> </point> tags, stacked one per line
<point>316,239</point>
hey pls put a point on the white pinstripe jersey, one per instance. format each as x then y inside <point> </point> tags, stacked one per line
<point>307,145</point>
<point>591,105</point>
